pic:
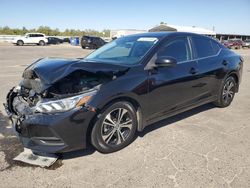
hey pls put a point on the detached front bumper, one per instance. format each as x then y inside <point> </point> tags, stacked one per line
<point>53,133</point>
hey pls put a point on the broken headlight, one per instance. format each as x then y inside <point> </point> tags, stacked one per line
<point>65,104</point>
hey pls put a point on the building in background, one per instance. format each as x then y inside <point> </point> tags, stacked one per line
<point>222,37</point>
<point>199,30</point>
<point>162,27</point>
<point>123,32</point>
<point>193,29</point>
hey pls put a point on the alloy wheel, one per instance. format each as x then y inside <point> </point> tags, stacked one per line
<point>228,91</point>
<point>116,127</point>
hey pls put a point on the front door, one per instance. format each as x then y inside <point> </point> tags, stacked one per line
<point>173,88</point>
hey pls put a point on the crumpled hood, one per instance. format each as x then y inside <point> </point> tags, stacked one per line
<point>50,70</point>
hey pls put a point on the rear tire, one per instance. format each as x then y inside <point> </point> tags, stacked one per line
<point>20,43</point>
<point>115,128</point>
<point>226,93</point>
<point>41,43</point>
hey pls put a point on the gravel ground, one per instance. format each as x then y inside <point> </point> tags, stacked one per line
<point>204,147</point>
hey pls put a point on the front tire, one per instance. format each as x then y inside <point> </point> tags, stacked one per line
<point>226,93</point>
<point>20,43</point>
<point>115,128</point>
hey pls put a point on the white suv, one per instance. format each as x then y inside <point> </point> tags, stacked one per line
<point>31,38</point>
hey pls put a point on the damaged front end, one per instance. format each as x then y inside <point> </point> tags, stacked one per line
<point>51,113</point>
<point>33,96</point>
<point>42,120</point>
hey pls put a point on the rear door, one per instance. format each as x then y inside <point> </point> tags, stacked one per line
<point>210,65</point>
<point>33,38</point>
<point>40,37</point>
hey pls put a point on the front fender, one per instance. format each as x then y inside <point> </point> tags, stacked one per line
<point>120,96</point>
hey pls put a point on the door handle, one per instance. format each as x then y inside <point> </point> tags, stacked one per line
<point>193,70</point>
<point>225,62</point>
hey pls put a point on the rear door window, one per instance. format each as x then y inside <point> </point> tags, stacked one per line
<point>204,47</point>
<point>215,46</point>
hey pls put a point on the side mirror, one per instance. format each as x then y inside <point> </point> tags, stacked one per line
<point>165,61</point>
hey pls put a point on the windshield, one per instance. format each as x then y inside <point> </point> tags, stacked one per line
<point>125,50</point>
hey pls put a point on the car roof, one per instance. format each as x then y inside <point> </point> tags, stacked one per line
<point>34,33</point>
<point>90,36</point>
<point>163,34</point>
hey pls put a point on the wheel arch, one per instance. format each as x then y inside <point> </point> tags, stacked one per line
<point>128,99</point>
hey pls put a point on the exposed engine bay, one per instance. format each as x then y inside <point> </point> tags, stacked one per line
<point>78,81</point>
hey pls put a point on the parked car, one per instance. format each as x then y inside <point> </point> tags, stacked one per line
<point>54,40</point>
<point>238,42</point>
<point>119,89</point>
<point>92,42</point>
<point>233,44</point>
<point>227,43</point>
<point>246,44</point>
<point>66,40</point>
<point>31,38</point>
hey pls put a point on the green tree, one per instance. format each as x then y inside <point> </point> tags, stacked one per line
<point>54,32</point>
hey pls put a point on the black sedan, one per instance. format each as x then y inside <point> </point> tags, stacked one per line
<point>129,83</point>
<point>54,40</point>
<point>92,42</point>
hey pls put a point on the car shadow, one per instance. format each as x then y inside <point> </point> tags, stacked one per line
<point>79,153</point>
<point>27,45</point>
<point>175,119</point>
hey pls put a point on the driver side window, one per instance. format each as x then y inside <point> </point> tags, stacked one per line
<point>177,48</point>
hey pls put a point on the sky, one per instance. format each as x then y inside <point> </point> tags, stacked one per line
<point>225,16</point>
